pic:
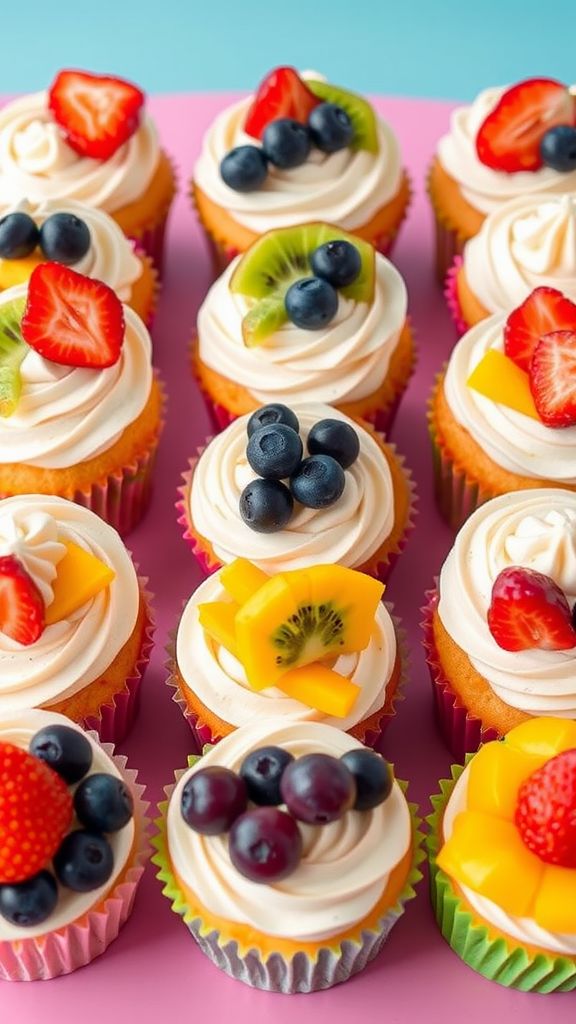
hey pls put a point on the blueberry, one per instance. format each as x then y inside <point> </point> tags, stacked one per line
<point>286,143</point>
<point>244,168</point>
<point>262,771</point>
<point>558,148</point>
<point>337,262</point>
<point>18,236</point>
<point>330,127</point>
<point>28,903</point>
<point>84,861</point>
<point>274,452</point>
<point>103,803</point>
<point>373,776</point>
<point>311,303</point>
<point>266,505</point>
<point>335,438</point>
<point>65,238</point>
<point>66,750</point>
<point>318,482</point>
<point>273,413</point>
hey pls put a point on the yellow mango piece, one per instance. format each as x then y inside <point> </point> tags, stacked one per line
<point>543,737</point>
<point>488,855</point>
<point>79,577</point>
<point>495,775</point>
<point>241,579</point>
<point>498,378</point>
<point>14,272</point>
<point>218,619</point>
<point>320,687</point>
<point>555,903</point>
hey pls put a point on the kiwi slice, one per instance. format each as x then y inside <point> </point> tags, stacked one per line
<point>263,320</point>
<point>358,109</point>
<point>12,351</point>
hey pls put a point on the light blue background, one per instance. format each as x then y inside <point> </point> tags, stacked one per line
<point>406,47</point>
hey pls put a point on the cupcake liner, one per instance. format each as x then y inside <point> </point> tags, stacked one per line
<point>451,296</point>
<point>330,965</point>
<point>142,255</point>
<point>449,242</point>
<point>495,957</point>
<point>150,236</point>
<point>75,945</point>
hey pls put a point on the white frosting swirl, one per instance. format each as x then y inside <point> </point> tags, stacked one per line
<point>71,653</point>
<point>518,443</point>
<point>484,188</point>
<point>36,161</point>
<point>19,729</point>
<point>345,865</point>
<point>69,414</point>
<point>347,533</point>
<point>345,361</point>
<point>523,929</point>
<point>537,530</point>
<point>219,680</point>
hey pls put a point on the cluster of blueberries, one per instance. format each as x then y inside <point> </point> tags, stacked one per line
<point>312,302</point>
<point>264,842</point>
<point>63,237</point>
<point>558,148</point>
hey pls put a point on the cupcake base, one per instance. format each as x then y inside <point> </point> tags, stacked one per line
<point>455,219</point>
<point>145,219</point>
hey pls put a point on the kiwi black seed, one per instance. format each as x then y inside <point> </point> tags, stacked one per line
<point>323,621</point>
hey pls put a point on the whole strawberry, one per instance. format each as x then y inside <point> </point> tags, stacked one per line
<point>546,811</point>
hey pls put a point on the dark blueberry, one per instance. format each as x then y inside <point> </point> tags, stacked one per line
<point>286,143</point>
<point>262,771</point>
<point>64,238</point>
<point>18,236</point>
<point>318,789</point>
<point>103,803</point>
<point>244,169</point>
<point>335,438</point>
<point>84,861</point>
<point>266,505</point>
<point>274,452</point>
<point>66,750</point>
<point>212,799</point>
<point>330,127</point>
<point>311,303</point>
<point>318,482</point>
<point>265,845</point>
<point>558,148</point>
<point>273,413</point>
<point>28,903</point>
<point>337,262</point>
<point>373,777</point>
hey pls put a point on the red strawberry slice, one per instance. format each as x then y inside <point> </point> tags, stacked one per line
<point>553,378</point>
<point>21,605</point>
<point>97,113</point>
<point>546,810</point>
<point>529,610</point>
<point>281,94</point>
<point>72,319</point>
<point>509,138</point>
<point>545,310</point>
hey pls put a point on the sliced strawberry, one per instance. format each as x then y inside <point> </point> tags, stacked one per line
<point>546,810</point>
<point>553,378</point>
<point>509,138</point>
<point>97,113</point>
<point>529,610</point>
<point>72,319</point>
<point>21,606</point>
<point>281,94</point>
<point>545,310</point>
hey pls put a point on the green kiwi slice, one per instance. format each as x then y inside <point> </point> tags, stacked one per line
<point>12,351</point>
<point>358,109</point>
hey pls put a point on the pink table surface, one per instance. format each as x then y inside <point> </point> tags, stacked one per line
<point>154,970</point>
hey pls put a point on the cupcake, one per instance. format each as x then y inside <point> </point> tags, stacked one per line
<point>498,628</point>
<point>300,148</point>
<point>510,142</point>
<point>67,888</point>
<point>75,620</point>
<point>307,314</point>
<point>81,237</point>
<point>315,644</point>
<point>81,410</point>
<point>58,145</point>
<point>336,862</point>
<point>503,858</point>
<point>349,501</point>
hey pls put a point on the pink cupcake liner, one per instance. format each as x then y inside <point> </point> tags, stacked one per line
<point>77,944</point>
<point>122,499</point>
<point>451,296</point>
<point>460,730</point>
<point>143,256</point>
<point>151,237</point>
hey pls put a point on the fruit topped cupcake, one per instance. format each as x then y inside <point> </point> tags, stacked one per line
<point>300,149</point>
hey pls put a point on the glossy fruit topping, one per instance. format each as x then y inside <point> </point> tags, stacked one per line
<point>262,772</point>
<point>266,415</point>
<point>509,138</point>
<point>84,861</point>
<point>64,238</point>
<point>19,236</point>
<point>266,506</point>
<point>529,611</point>
<point>281,94</point>
<point>97,113</point>
<point>265,845</point>
<point>318,482</point>
<point>558,148</point>
<point>21,603</point>
<point>330,127</point>
<point>241,579</point>
<point>13,350</point>
<point>553,379</point>
<point>361,114</point>
<point>274,452</point>
<point>244,168</point>
<point>212,799</point>
<point>80,577</point>
<point>373,777</point>
<point>338,262</point>
<point>545,310</point>
<point>318,789</point>
<point>28,903</point>
<point>65,750</point>
<point>335,438</point>
<point>546,811</point>
<point>286,143</point>
<point>311,303</point>
<point>103,803</point>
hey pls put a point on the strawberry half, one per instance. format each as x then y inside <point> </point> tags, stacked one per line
<point>545,310</point>
<point>546,810</point>
<point>97,113</point>
<point>72,319</point>
<point>509,138</point>
<point>22,608</point>
<point>281,94</point>
<point>553,378</point>
<point>529,610</point>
